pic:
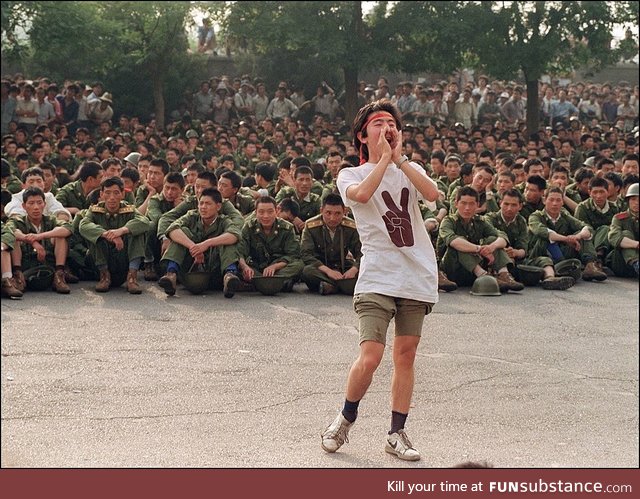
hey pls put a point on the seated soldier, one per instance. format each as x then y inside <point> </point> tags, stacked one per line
<point>204,181</point>
<point>597,212</point>
<point>40,240</point>
<point>229,183</point>
<point>624,237</point>
<point>533,194</point>
<point>265,178</point>
<point>269,246</point>
<point>73,196</point>
<point>560,178</point>
<point>159,204</point>
<point>287,209</point>
<point>115,232</point>
<point>9,289</point>
<point>471,242</point>
<point>152,185</point>
<point>509,221</point>
<point>203,237</point>
<point>34,177</point>
<point>482,178</point>
<point>308,201</point>
<point>555,236</point>
<point>327,242</point>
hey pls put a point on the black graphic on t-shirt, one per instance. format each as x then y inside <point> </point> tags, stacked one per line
<point>398,220</point>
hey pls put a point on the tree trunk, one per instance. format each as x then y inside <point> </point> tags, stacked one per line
<point>351,94</point>
<point>351,66</point>
<point>533,108</point>
<point>158,99</point>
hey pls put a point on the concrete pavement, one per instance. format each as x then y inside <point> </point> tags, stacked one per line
<point>531,379</point>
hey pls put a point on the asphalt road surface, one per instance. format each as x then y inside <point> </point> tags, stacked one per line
<point>531,379</point>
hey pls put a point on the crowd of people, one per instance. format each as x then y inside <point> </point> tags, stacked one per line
<point>242,184</point>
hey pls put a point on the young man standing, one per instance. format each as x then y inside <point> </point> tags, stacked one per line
<point>398,272</point>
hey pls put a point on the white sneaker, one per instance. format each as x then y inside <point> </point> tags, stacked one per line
<point>336,434</point>
<point>398,444</point>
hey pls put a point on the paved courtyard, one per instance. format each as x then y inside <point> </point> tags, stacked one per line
<point>536,379</point>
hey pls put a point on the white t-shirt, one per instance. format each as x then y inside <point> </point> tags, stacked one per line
<point>398,257</point>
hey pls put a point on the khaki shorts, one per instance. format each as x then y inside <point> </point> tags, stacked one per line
<point>375,311</point>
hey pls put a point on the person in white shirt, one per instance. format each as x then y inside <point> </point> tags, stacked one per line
<point>34,177</point>
<point>398,274</point>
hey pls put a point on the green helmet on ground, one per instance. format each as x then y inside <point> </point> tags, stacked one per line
<point>485,285</point>
<point>269,285</point>
<point>196,282</point>
<point>347,286</point>
<point>529,275</point>
<point>39,278</point>
<point>570,267</point>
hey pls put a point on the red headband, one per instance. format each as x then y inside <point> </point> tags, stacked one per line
<point>370,118</point>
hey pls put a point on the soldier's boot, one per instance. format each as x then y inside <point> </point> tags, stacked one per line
<point>288,286</point>
<point>105,281</point>
<point>558,283</point>
<point>444,284</point>
<point>168,283</point>
<point>230,284</point>
<point>150,273</point>
<point>9,289</point>
<point>19,281</point>
<point>327,289</point>
<point>593,272</point>
<point>132,282</point>
<point>59,283</point>
<point>70,277</point>
<point>508,283</point>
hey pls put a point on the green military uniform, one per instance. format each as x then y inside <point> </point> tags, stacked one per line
<point>191,203</point>
<point>22,223</point>
<point>261,250</point>
<point>484,198</point>
<point>329,188</point>
<point>72,196</point>
<point>573,192</point>
<point>157,207</point>
<point>529,208</point>
<point>216,259</point>
<point>141,195</point>
<point>320,247</point>
<point>516,231</point>
<point>309,206</point>
<point>98,220</point>
<point>243,203</point>
<point>69,165</point>
<point>620,260</point>
<point>8,236</point>
<point>458,265</point>
<point>598,220</point>
<point>13,185</point>
<point>539,225</point>
<point>79,259</point>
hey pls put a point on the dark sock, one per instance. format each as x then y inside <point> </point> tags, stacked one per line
<point>59,267</point>
<point>350,410</point>
<point>397,421</point>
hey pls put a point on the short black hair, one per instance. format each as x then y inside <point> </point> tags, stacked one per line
<point>514,193</point>
<point>174,178</point>
<point>110,182</point>
<point>333,200</point>
<point>538,181</point>
<point>598,182</point>
<point>234,178</point>
<point>89,169</point>
<point>290,205</point>
<point>32,172</point>
<point>162,163</point>
<point>213,193</point>
<point>209,176</point>
<point>467,191</point>
<point>266,170</point>
<point>131,173</point>
<point>31,192</point>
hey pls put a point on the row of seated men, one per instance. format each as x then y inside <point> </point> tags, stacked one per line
<point>109,239</point>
